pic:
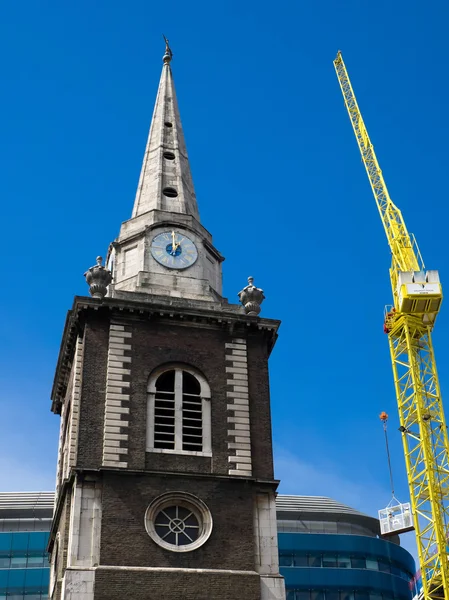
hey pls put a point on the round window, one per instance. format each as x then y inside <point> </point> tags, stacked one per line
<point>178,521</point>
<point>177,525</point>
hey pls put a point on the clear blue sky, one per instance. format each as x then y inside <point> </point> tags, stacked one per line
<point>280,185</point>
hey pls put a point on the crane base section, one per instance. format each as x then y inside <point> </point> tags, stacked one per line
<point>395,519</point>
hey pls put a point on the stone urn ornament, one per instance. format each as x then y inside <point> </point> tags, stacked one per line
<point>251,297</point>
<point>98,278</point>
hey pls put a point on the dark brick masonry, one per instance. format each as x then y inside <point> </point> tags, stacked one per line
<point>124,540</point>
<point>126,494</point>
<point>120,585</point>
<point>155,343</point>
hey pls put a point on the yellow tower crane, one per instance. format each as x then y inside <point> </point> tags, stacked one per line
<point>417,298</point>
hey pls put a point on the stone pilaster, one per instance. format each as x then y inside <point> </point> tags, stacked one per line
<point>266,547</point>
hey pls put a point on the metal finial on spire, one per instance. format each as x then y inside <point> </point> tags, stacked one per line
<point>168,52</point>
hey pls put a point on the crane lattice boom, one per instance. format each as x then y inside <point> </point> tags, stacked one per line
<point>417,299</point>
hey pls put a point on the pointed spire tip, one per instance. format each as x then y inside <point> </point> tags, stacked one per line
<point>168,52</point>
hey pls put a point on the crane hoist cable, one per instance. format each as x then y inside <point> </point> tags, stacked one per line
<point>394,508</point>
<point>384,418</point>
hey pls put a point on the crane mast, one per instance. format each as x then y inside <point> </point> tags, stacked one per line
<point>417,298</point>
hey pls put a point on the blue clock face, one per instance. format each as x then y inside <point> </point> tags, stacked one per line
<point>174,250</point>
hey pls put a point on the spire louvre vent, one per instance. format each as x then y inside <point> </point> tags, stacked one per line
<point>168,124</point>
<point>170,192</point>
<point>169,155</point>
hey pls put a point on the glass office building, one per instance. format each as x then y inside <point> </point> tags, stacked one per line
<point>25,520</point>
<point>329,551</point>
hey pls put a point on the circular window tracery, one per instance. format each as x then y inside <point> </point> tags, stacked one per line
<point>177,525</point>
<point>178,521</point>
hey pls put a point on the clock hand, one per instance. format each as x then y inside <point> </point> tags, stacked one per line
<point>176,245</point>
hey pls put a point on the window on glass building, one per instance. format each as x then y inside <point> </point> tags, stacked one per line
<point>371,563</point>
<point>300,560</point>
<point>314,560</point>
<point>344,562</point>
<point>341,561</point>
<point>384,566</point>
<point>23,565</point>
<point>358,562</point>
<point>336,595</point>
<point>329,560</point>
<point>286,560</point>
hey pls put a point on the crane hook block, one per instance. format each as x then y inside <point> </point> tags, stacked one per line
<point>383,416</point>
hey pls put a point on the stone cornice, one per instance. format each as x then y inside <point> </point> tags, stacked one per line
<point>176,311</point>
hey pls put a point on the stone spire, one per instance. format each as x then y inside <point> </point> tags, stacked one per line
<point>164,250</point>
<point>165,181</point>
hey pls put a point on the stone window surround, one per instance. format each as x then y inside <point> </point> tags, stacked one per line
<point>189,501</point>
<point>206,411</point>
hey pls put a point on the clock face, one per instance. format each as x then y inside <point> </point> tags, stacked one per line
<point>174,250</point>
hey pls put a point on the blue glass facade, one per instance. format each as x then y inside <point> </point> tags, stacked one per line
<point>25,520</point>
<point>344,567</point>
<point>329,551</point>
<point>24,568</point>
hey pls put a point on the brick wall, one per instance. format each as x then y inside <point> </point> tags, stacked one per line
<point>124,540</point>
<point>93,391</point>
<point>155,343</point>
<point>117,585</point>
<point>260,413</point>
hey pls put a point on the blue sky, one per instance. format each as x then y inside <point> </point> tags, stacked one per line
<point>280,185</point>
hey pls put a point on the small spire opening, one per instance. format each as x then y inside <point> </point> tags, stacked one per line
<point>170,192</point>
<point>168,124</point>
<point>169,155</point>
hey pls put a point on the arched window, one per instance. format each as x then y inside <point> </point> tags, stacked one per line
<point>178,412</point>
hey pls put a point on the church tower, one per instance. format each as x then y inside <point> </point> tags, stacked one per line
<point>165,484</point>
